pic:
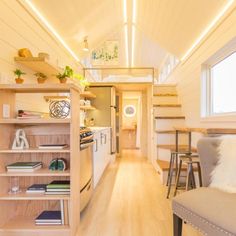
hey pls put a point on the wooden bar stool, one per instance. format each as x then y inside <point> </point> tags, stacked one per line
<point>190,161</point>
<point>173,168</point>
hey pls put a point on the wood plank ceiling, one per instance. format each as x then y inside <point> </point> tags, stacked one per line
<point>162,26</point>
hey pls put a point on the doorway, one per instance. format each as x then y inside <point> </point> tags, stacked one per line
<point>131,119</point>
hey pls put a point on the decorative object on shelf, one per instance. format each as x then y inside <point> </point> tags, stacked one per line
<point>58,164</point>
<point>19,73</point>
<point>20,141</point>
<point>87,103</point>
<point>68,73</point>
<point>44,55</point>
<point>59,109</point>
<point>14,185</point>
<point>41,77</point>
<point>24,52</point>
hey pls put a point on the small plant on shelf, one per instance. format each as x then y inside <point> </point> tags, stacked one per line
<point>82,80</point>
<point>68,73</point>
<point>40,77</point>
<point>18,74</point>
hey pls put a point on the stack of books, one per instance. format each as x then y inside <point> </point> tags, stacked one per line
<point>24,166</point>
<point>61,187</point>
<point>49,218</point>
<point>36,188</point>
<point>53,146</point>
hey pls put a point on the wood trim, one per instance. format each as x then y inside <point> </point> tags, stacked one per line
<point>165,95</point>
<point>173,147</point>
<point>169,117</point>
<point>166,105</point>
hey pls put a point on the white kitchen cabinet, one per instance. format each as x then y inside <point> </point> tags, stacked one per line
<point>101,153</point>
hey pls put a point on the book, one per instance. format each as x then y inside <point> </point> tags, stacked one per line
<point>52,146</point>
<point>59,184</point>
<point>57,193</point>
<point>24,169</point>
<point>24,165</point>
<point>58,189</point>
<point>49,217</point>
<point>48,223</point>
<point>36,188</point>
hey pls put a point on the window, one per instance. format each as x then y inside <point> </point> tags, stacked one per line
<point>223,81</point>
<point>218,90</point>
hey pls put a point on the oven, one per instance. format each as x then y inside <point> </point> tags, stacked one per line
<point>86,166</point>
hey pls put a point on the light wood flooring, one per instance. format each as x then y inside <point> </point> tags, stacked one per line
<point>130,201</point>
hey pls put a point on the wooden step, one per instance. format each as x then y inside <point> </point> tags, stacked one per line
<point>167,105</point>
<point>165,94</point>
<point>167,132</point>
<point>180,147</point>
<point>169,117</point>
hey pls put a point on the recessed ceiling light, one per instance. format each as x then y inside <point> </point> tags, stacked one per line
<point>86,48</point>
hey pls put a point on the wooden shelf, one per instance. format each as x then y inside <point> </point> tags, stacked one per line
<point>35,121</point>
<point>32,196</point>
<point>168,132</point>
<point>87,94</point>
<point>39,88</point>
<point>36,150</point>
<point>87,108</point>
<point>23,224</point>
<point>40,172</point>
<point>38,64</point>
<point>51,98</point>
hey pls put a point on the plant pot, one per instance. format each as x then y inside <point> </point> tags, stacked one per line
<point>19,80</point>
<point>63,80</point>
<point>41,80</point>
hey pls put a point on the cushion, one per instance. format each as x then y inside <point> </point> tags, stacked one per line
<point>208,209</point>
<point>224,174</point>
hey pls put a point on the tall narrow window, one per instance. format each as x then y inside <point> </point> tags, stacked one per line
<point>223,86</point>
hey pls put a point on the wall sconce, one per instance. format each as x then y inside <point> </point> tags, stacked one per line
<point>86,48</point>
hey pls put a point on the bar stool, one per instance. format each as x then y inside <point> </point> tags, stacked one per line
<point>173,168</point>
<point>188,160</point>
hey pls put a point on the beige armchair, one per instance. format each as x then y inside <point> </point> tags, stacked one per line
<point>211,211</point>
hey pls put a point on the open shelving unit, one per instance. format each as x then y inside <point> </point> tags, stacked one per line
<point>38,64</point>
<point>21,209</point>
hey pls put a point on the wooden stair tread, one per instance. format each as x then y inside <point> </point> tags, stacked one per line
<point>167,131</point>
<point>164,165</point>
<point>169,117</point>
<point>165,94</point>
<point>172,147</point>
<point>167,105</point>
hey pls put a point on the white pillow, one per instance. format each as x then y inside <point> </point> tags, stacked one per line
<point>223,176</point>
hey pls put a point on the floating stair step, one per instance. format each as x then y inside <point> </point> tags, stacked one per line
<point>167,132</point>
<point>180,147</point>
<point>169,117</point>
<point>165,94</point>
<point>167,105</point>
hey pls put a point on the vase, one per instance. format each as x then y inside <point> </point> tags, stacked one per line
<point>41,80</point>
<point>63,80</point>
<point>19,80</point>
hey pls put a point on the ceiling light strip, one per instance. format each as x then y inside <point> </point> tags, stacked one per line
<point>50,28</point>
<point>207,29</point>
<point>133,45</point>
<point>126,45</point>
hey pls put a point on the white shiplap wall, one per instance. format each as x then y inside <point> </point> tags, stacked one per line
<point>18,29</point>
<point>188,76</point>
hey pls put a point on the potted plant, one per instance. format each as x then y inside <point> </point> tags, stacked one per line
<point>68,73</point>
<point>82,80</point>
<point>40,77</point>
<point>19,73</point>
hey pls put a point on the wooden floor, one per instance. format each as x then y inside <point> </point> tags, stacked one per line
<point>130,201</point>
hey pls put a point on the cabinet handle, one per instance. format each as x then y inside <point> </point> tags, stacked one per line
<point>105,138</point>
<point>96,145</point>
<point>101,138</point>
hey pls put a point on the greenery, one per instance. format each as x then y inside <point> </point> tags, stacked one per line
<point>40,75</point>
<point>67,73</point>
<point>82,80</point>
<point>18,73</point>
